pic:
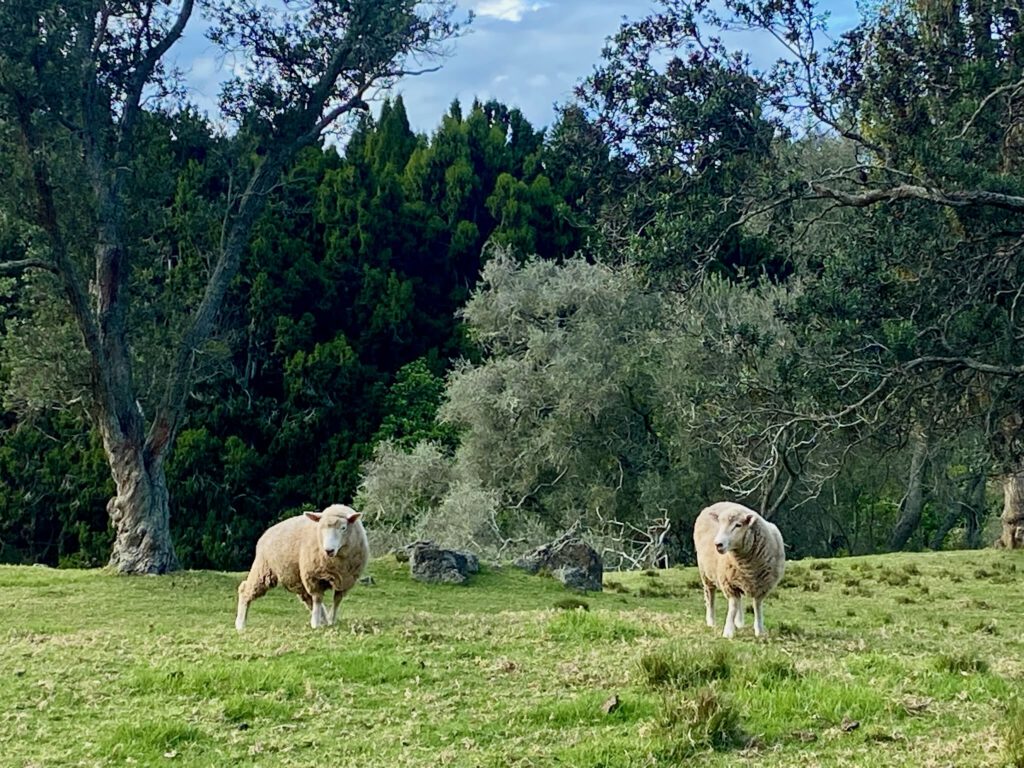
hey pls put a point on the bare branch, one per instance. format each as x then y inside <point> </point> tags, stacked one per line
<point>63,265</point>
<point>146,67</point>
<point>20,266</point>
<point>355,102</point>
<point>172,404</point>
<point>100,33</point>
<point>965,363</point>
<point>953,199</point>
<point>984,103</point>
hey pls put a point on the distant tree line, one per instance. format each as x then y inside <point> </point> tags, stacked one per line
<point>798,288</point>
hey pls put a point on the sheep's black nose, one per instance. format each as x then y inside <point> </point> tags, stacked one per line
<point>720,548</point>
<point>330,552</point>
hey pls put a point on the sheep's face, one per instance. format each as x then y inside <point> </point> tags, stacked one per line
<point>733,527</point>
<point>332,526</point>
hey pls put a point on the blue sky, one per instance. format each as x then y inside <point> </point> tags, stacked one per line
<point>525,53</point>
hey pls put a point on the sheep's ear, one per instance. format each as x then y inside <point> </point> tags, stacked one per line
<point>747,519</point>
<point>713,516</point>
<point>354,516</point>
<point>314,516</point>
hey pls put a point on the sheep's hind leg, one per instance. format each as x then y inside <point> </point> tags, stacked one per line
<point>709,603</point>
<point>243,607</point>
<point>332,613</point>
<point>257,583</point>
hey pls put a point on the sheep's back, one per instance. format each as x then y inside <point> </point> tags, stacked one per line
<point>704,530</point>
<point>281,547</point>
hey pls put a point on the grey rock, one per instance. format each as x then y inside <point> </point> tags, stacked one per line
<point>434,565</point>
<point>570,560</point>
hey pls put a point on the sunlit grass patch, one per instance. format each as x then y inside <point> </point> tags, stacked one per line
<point>241,709</point>
<point>702,721</point>
<point>586,710</point>
<point>151,740</point>
<point>681,667</point>
<point>582,625</point>
<point>769,670</point>
<point>960,663</point>
<point>492,674</point>
<point>572,604</point>
<point>1013,734</point>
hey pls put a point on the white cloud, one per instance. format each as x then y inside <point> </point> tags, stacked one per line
<point>506,10</point>
<point>205,68</point>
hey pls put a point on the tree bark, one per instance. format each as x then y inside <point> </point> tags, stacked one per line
<point>1012,536</point>
<point>140,515</point>
<point>910,512</point>
<point>975,511</point>
<point>103,121</point>
<point>968,509</point>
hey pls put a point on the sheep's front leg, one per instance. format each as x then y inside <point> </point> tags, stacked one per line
<point>730,617</point>
<point>318,614</point>
<point>759,617</point>
<point>332,614</point>
<point>709,603</point>
<point>739,612</point>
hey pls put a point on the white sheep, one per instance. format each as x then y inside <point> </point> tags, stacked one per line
<point>740,553</point>
<point>308,554</point>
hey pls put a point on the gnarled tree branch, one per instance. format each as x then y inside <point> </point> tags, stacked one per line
<point>953,199</point>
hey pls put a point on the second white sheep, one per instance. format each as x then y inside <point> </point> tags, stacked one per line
<point>308,554</point>
<point>740,553</point>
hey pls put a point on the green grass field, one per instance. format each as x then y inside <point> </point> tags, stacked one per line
<point>897,660</point>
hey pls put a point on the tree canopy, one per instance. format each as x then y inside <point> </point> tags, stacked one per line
<point>797,286</point>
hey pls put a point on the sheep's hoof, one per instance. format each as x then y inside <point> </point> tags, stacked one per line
<point>728,633</point>
<point>239,625</point>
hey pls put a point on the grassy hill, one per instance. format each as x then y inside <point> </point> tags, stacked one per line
<point>897,660</point>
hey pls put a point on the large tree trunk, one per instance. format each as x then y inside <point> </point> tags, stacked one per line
<point>139,511</point>
<point>1012,518</point>
<point>103,127</point>
<point>976,511</point>
<point>910,512</point>
<point>968,508</point>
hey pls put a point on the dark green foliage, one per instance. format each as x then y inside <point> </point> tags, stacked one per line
<point>54,486</point>
<point>336,335</point>
<point>830,338</point>
<point>689,132</point>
